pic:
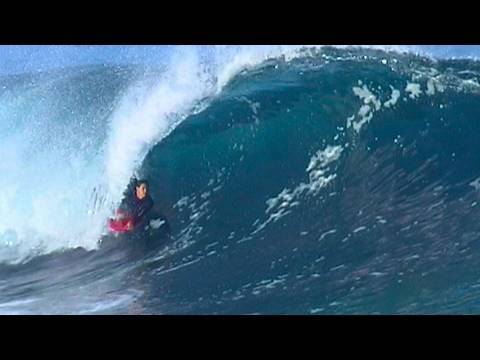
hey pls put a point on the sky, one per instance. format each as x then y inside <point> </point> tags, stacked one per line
<point>16,59</point>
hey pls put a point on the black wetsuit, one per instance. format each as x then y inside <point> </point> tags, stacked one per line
<point>133,207</point>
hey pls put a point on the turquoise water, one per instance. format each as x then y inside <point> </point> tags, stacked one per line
<point>339,182</point>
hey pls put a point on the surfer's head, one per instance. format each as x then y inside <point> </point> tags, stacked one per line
<point>141,189</point>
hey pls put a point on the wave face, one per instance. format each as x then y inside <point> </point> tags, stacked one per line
<point>333,181</point>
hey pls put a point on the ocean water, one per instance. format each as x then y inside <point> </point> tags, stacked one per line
<point>320,180</point>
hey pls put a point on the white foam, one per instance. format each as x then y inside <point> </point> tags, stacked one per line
<point>413,89</point>
<point>156,223</point>
<point>367,96</point>
<point>47,181</point>
<point>475,184</point>
<point>430,87</point>
<point>360,228</point>
<point>138,124</point>
<point>317,170</point>
<point>365,113</point>
<point>394,98</point>
<point>333,231</point>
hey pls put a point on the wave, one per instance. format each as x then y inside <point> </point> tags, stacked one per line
<point>72,138</point>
